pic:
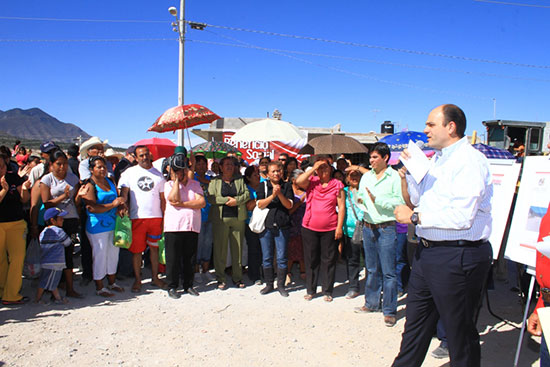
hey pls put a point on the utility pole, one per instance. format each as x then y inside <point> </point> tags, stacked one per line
<point>179,26</point>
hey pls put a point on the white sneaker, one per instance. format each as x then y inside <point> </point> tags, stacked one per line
<point>198,278</point>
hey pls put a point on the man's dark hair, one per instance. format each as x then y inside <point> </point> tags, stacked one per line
<point>382,149</point>
<point>201,158</point>
<point>73,150</point>
<point>454,113</point>
<point>266,158</point>
<point>141,147</point>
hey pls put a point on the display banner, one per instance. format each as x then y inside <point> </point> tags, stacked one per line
<point>251,149</point>
<point>531,205</point>
<point>505,173</point>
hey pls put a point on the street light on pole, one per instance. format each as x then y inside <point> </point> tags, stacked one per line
<point>179,26</point>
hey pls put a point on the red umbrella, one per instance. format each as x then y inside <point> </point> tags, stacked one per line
<point>183,117</point>
<point>159,147</point>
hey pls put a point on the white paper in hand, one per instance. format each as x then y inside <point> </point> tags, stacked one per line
<point>544,318</point>
<point>417,164</point>
<point>544,246</point>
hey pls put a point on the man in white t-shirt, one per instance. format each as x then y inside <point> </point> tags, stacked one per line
<point>142,187</point>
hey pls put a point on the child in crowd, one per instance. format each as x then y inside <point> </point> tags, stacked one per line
<point>52,258</point>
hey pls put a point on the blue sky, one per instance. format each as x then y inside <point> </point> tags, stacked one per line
<point>117,89</point>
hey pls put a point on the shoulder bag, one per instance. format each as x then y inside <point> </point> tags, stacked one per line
<point>257,220</point>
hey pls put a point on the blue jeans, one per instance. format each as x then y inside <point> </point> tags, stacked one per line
<point>204,248</point>
<point>400,259</point>
<point>280,238</point>
<point>380,245</point>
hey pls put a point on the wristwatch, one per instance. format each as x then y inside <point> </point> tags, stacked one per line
<point>414,218</point>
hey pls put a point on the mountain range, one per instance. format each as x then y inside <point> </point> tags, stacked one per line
<point>35,124</point>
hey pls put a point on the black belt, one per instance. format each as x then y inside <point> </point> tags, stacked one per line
<point>379,225</point>
<point>457,243</point>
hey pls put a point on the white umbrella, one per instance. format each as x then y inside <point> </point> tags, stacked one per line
<point>268,130</point>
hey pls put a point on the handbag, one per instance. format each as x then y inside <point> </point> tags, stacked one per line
<point>357,236</point>
<point>257,220</point>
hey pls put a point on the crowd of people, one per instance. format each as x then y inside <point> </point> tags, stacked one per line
<point>270,216</point>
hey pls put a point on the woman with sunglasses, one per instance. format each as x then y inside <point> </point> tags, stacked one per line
<point>102,200</point>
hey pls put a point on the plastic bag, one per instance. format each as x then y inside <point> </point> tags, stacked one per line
<point>123,232</point>
<point>31,268</point>
<point>162,251</point>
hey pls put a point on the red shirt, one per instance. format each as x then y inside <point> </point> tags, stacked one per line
<point>321,215</point>
<point>543,263</point>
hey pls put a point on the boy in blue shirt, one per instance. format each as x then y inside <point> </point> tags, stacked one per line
<point>52,254</point>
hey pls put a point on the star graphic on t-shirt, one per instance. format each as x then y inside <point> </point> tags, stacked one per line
<point>146,183</point>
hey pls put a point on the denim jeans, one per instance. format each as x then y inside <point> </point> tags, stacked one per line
<point>204,248</point>
<point>401,261</point>
<point>380,245</point>
<point>280,238</point>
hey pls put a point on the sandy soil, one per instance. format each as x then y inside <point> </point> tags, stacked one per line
<point>237,327</point>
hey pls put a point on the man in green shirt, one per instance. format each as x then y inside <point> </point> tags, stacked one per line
<point>380,193</point>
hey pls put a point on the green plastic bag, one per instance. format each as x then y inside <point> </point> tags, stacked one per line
<point>162,252</point>
<point>123,232</point>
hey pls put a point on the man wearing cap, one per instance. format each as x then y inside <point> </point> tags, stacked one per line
<point>142,188</point>
<point>452,214</point>
<point>72,153</point>
<point>38,171</point>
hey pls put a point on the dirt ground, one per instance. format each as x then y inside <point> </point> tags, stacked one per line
<point>236,327</point>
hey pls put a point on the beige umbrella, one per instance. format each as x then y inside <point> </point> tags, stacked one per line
<point>268,130</point>
<point>333,144</point>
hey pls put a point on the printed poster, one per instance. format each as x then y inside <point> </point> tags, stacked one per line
<point>505,174</point>
<point>531,205</point>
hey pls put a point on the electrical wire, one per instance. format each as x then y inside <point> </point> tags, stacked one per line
<point>349,58</point>
<point>85,20</point>
<point>515,4</point>
<point>385,48</point>
<point>346,43</point>
<point>89,40</point>
<point>352,73</point>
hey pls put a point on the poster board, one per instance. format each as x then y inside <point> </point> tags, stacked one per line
<point>505,173</point>
<point>531,205</point>
<point>251,149</point>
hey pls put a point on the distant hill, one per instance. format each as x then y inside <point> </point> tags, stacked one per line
<point>35,124</point>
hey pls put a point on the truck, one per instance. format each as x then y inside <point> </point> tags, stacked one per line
<point>507,134</point>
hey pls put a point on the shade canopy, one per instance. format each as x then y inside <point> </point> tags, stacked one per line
<point>492,152</point>
<point>268,130</point>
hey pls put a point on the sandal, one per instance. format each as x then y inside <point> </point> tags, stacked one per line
<point>104,292</point>
<point>327,298</point>
<point>222,286</point>
<point>308,297</point>
<point>240,284</point>
<point>115,287</point>
<point>22,301</point>
<point>61,301</point>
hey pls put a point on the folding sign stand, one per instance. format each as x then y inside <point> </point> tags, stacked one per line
<point>530,270</point>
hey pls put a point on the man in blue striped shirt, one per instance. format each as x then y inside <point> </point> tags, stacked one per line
<point>451,208</point>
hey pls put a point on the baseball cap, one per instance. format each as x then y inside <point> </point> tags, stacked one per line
<point>178,161</point>
<point>131,149</point>
<point>54,212</point>
<point>47,146</point>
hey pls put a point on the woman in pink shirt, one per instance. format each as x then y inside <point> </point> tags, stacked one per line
<point>321,226</point>
<point>182,224</point>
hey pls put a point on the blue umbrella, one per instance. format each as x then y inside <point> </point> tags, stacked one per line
<point>399,141</point>
<point>492,152</point>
